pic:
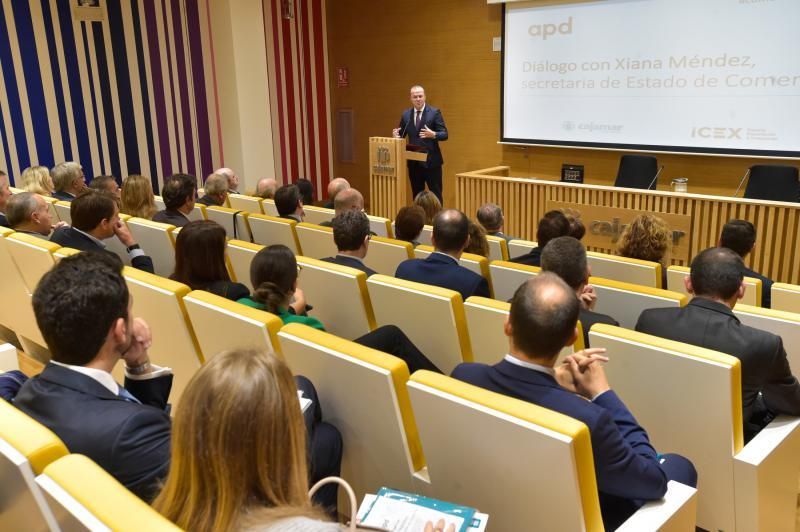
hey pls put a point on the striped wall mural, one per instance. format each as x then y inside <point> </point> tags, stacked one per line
<point>131,93</point>
<point>298,66</point>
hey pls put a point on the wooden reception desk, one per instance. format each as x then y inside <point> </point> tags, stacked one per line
<point>696,220</point>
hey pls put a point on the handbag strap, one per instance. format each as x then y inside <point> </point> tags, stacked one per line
<point>350,494</point>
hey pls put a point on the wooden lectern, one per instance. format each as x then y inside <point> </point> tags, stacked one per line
<point>388,175</point>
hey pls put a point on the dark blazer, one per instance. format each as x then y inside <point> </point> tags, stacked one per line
<point>625,463</point>
<point>70,238</point>
<point>431,117</point>
<point>227,289</point>
<point>445,271</point>
<point>3,220</point>
<point>328,205</point>
<point>531,258</point>
<point>129,440</point>
<point>172,217</point>
<point>502,235</point>
<point>766,287</point>
<point>589,318</point>
<point>765,369</point>
<point>208,201</point>
<point>351,262</point>
<point>63,196</point>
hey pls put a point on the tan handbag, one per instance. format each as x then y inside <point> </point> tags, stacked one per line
<point>350,495</point>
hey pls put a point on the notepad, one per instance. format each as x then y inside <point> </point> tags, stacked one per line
<point>397,511</point>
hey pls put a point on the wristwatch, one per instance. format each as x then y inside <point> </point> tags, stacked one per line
<point>132,247</point>
<point>138,370</point>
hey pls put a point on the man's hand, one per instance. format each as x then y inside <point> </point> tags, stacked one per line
<point>396,132</point>
<point>124,234</point>
<point>141,340</point>
<point>59,225</point>
<point>427,133</point>
<point>439,527</point>
<point>588,297</point>
<point>589,376</point>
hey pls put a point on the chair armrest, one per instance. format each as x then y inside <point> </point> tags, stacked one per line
<point>765,477</point>
<point>677,511</point>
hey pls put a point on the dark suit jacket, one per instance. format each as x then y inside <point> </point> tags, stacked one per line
<point>3,220</point>
<point>129,440</point>
<point>328,205</point>
<point>172,217</point>
<point>70,238</point>
<point>531,258</point>
<point>227,289</point>
<point>208,201</point>
<point>431,117</point>
<point>766,287</point>
<point>765,369</point>
<point>502,235</point>
<point>625,463</point>
<point>63,196</point>
<point>445,271</point>
<point>589,318</point>
<point>351,262</point>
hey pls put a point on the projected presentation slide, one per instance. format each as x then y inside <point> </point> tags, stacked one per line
<point>709,76</point>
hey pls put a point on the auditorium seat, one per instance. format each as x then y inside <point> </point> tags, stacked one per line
<point>221,324</point>
<point>385,254</point>
<point>316,241</point>
<point>637,171</point>
<point>240,255</point>
<point>159,201</point>
<point>339,297</point>
<point>518,247</point>
<point>529,468</point>
<point>33,255</point>
<point>470,261</point>
<point>157,241</point>
<point>63,211</point>
<point>317,215</point>
<point>241,202</point>
<point>269,230</point>
<point>784,324</point>
<point>26,448</point>
<point>625,301</point>
<point>159,302</point>
<point>424,236</point>
<point>498,248</point>
<point>692,405</point>
<point>642,272</point>
<point>198,213</point>
<point>785,297</point>
<point>773,182</point>
<point>8,358</point>
<point>508,276</point>
<point>677,274</point>
<point>233,220</point>
<point>84,497</point>
<point>364,395</point>
<point>61,253</point>
<point>51,207</point>
<point>269,207</point>
<point>15,190</point>
<point>432,317</point>
<point>381,226</point>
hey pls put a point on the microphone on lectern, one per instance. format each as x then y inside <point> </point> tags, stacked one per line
<point>655,178</point>
<point>746,174</point>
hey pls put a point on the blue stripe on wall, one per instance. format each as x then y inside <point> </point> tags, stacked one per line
<point>12,94</point>
<point>76,93</point>
<point>90,76</point>
<point>7,162</point>
<point>105,94</point>
<point>148,122</point>
<point>57,82</point>
<point>33,82</point>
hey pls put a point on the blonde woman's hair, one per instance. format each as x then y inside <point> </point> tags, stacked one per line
<point>429,203</point>
<point>238,446</point>
<point>478,244</point>
<point>137,197</point>
<point>646,238</point>
<point>37,179</point>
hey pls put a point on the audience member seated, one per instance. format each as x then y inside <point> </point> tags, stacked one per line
<point>544,312</point>
<point>274,272</point>
<point>491,217</point>
<point>249,470</point>
<point>200,260</point>
<point>351,234</point>
<point>716,282</point>
<point>37,179</point>
<point>265,188</point>
<point>5,195</point>
<point>306,189</point>
<point>576,228</point>
<point>29,213</point>
<point>430,204</point>
<point>346,200</point>
<point>95,217</point>
<point>215,191</point>
<point>409,223</point>
<point>233,179</point>
<point>83,309</point>
<point>647,238</point>
<point>478,245</point>
<point>68,180</point>
<point>566,257</point>
<point>740,236</point>
<point>334,187</point>
<point>289,203</point>
<point>441,268</point>
<point>552,225</point>
<point>107,183</point>
<point>178,194</point>
<point>137,197</point>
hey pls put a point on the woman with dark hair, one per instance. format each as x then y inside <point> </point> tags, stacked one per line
<point>274,273</point>
<point>200,260</point>
<point>409,223</point>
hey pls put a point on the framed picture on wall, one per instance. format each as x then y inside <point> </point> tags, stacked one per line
<point>87,10</point>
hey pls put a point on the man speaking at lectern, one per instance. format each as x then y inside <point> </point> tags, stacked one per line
<point>425,127</point>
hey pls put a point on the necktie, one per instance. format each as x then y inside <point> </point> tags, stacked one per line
<point>125,394</point>
<point>416,120</point>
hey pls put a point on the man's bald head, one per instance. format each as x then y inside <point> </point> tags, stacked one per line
<point>348,199</point>
<point>337,185</point>
<point>265,188</point>
<point>450,231</point>
<point>233,179</point>
<point>543,316</point>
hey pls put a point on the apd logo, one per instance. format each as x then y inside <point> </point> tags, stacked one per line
<point>383,160</point>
